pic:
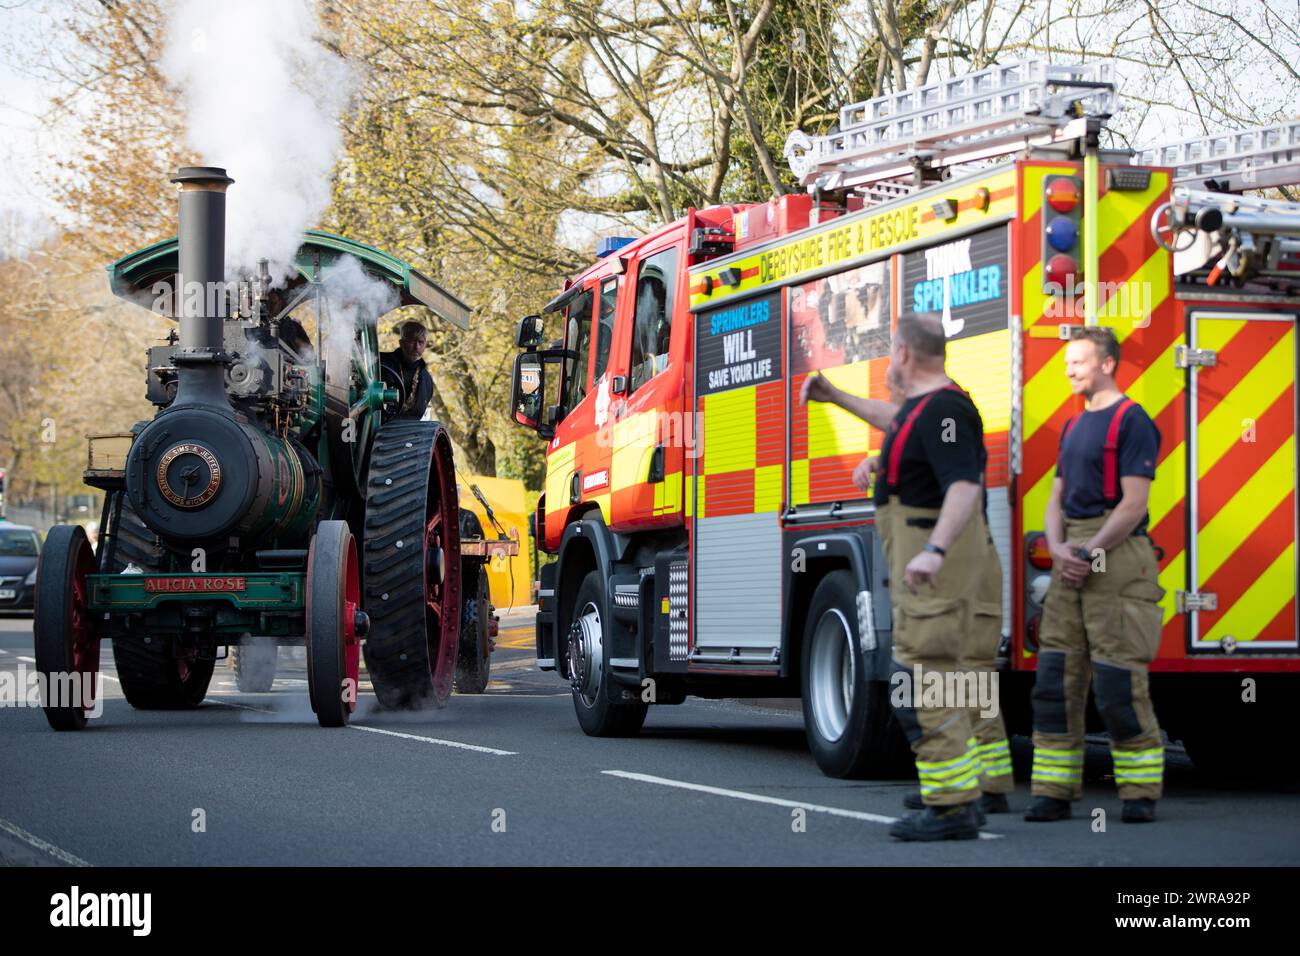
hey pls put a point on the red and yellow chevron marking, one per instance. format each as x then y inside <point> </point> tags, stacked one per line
<point>741,470</point>
<point>1246,477</point>
<point>1135,299</point>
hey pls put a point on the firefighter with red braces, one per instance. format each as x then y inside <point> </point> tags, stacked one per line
<point>1102,617</point>
<point>944,572</point>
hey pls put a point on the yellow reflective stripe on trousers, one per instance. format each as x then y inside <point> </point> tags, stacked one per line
<point>1139,766</point>
<point>995,758</point>
<point>949,776</point>
<point>1060,765</point>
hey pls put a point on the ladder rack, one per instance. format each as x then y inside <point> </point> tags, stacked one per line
<point>883,143</point>
<point>1261,158</point>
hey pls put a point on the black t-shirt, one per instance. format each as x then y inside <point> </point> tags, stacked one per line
<point>1079,462</point>
<point>945,444</point>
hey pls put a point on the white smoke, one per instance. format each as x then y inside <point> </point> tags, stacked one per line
<point>353,298</point>
<point>262,99</point>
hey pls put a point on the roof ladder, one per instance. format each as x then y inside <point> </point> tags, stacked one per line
<point>1265,157</point>
<point>883,144</point>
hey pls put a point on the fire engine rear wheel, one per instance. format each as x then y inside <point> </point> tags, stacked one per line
<point>474,658</point>
<point>255,662</point>
<point>334,625</point>
<point>67,650</point>
<point>156,673</point>
<point>847,718</point>
<point>588,665</point>
<point>412,565</point>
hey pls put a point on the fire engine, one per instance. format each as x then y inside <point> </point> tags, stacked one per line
<point>706,534</point>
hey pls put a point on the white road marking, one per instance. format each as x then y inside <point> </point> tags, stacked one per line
<point>4,652</point>
<point>63,856</point>
<point>29,660</point>
<point>760,798</point>
<point>436,740</point>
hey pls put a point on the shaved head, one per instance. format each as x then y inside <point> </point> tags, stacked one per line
<point>924,335</point>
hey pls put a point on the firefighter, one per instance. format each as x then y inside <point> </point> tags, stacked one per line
<point>988,728</point>
<point>405,365</point>
<point>1101,617</point>
<point>928,497</point>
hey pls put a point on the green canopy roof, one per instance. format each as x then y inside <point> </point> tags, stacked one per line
<point>133,276</point>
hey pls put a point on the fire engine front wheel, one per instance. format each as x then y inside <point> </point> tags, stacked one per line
<point>589,669</point>
<point>847,717</point>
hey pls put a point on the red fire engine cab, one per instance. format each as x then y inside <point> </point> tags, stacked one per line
<point>707,538</point>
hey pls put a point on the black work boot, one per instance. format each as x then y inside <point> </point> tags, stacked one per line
<point>1045,809</point>
<point>939,823</point>
<point>997,801</point>
<point>1139,811</point>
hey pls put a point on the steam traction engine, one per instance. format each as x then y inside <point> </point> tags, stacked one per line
<point>272,499</point>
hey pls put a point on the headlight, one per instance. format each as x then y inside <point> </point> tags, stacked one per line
<point>30,580</point>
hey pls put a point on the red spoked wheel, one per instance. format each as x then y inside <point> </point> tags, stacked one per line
<point>67,648</point>
<point>335,623</point>
<point>412,565</point>
<point>1168,233</point>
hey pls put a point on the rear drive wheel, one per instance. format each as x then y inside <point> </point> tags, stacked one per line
<point>333,615</point>
<point>847,718</point>
<point>412,565</point>
<point>67,650</point>
<point>589,669</point>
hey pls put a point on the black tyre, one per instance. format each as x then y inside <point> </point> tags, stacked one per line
<point>411,565</point>
<point>67,650</point>
<point>156,673</point>
<point>847,718</point>
<point>333,644</point>
<point>255,663</point>
<point>588,665</point>
<point>474,657</point>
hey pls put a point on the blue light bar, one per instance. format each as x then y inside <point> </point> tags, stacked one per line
<point>611,244</point>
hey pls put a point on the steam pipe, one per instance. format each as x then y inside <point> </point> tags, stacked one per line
<point>201,291</point>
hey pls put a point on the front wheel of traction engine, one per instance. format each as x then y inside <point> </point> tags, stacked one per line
<point>67,650</point>
<point>411,556</point>
<point>847,718</point>
<point>335,624</point>
<point>589,669</point>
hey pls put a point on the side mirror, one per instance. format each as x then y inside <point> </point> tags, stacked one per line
<point>529,333</point>
<point>528,389</point>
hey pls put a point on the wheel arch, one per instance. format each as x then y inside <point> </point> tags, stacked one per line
<point>587,545</point>
<point>816,555</point>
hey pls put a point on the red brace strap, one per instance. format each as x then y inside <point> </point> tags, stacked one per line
<point>900,439</point>
<point>1109,452</point>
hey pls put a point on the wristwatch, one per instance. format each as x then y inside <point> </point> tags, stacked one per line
<point>934,549</point>
<point>1083,554</point>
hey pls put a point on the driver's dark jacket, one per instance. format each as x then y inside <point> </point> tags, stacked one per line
<point>416,400</point>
